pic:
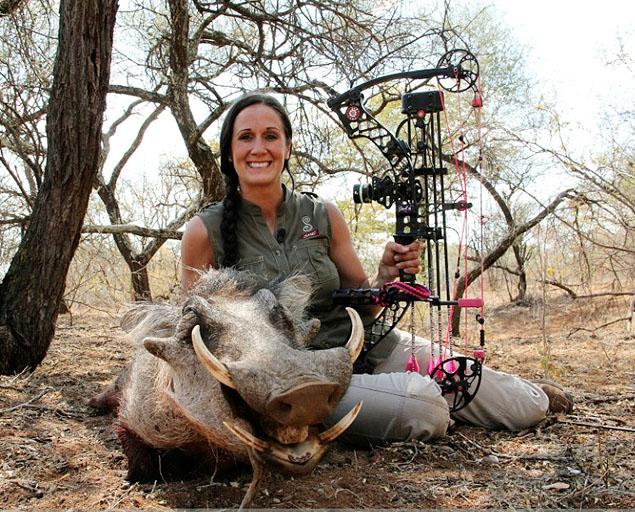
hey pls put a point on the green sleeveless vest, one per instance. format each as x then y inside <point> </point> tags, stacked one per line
<point>300,244</point>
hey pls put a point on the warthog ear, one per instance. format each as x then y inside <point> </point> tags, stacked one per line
<point>163,348</point>
<point>294,294</point>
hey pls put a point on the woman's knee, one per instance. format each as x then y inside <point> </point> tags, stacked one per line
<point>397,407</point>
<point>425,414</point>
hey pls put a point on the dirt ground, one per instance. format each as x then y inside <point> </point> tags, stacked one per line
<point>56,453</point>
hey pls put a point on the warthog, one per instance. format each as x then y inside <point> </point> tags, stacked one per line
<point>228,375</point>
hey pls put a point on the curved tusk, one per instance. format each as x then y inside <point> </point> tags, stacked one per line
<point>247,438</point>
<point>338,429</point>
<point>355,341</point>
<point>214,366</point>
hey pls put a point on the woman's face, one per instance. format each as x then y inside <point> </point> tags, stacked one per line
<point>259,146</point>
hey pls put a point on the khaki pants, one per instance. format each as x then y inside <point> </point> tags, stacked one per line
<point>399,406</point>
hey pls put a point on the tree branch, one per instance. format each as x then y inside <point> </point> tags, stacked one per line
<point>8,7</point>
<point>150,96</point>
<point>132,229</point>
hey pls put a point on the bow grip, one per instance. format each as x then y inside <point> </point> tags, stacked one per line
<point>403,275</point>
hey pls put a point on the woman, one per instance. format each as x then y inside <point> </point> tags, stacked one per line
<point>271,231</point>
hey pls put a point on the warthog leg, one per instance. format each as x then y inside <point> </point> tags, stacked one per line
<point>108,400</point>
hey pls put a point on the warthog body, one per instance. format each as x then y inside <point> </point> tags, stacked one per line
<point>227,375</point>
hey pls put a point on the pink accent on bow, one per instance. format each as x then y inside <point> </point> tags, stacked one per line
<point>413,364</point>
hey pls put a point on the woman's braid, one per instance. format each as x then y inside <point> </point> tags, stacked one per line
<point>229,221</point>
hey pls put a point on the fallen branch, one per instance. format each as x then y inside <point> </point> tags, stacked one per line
<point>596,425</point>
<point>617,320</point>
<point>612,398</point>
<point>25,404</point>
<point>9,386</point>
<point>55,410</point>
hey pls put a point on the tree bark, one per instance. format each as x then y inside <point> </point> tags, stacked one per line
<point>522,275</point>
<point>199,151</point>
<point>34,284</point>
<point>8,7</point>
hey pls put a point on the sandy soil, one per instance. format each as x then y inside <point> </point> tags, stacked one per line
<point>56,453</point>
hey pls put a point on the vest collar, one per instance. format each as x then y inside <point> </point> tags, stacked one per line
<point>254,209</point>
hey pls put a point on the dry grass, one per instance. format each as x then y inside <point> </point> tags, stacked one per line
<point>57,454</point>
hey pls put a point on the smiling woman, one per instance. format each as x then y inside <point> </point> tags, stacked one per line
<point>259,151</point>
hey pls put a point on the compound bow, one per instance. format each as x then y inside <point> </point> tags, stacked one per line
<point>415,185</point>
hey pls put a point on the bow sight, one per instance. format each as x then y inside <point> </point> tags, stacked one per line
<point>415,185</point>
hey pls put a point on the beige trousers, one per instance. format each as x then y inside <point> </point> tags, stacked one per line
<point>399,406</point>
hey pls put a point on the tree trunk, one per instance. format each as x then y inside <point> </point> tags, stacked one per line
<point>199,151</point>
<point>34,284</point>
<point>140,280</point>
<point>522,275</point>
<point>137,263</point>
<point>493,256</point>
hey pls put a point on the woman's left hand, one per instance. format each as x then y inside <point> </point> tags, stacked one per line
<point>398,257</point>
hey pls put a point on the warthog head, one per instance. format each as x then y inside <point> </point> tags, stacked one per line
<point>239,374</point>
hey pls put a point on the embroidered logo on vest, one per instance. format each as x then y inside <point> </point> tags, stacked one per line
<point>307,228</point>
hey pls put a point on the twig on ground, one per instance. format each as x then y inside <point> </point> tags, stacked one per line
<point>611,398</point>
<point>10,386</point>
<point>25,404</point>
<point>513,457</point>
<point>343,489</point>
<point>11,383</point>
<point>603,419</point>
<point>116,503</point>
<point>596,425</point>
<point>576,329</point>
<point>55,410</point>
<point>474,443</point>
<point>23,484</point>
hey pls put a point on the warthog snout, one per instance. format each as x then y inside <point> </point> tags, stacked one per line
<point>305,404</point>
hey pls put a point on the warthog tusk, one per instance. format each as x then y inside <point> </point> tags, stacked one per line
<point>257,466</point>
<point>248,438</point>
<point>338,429</point>
<point>356,339</point>
<point>300,457</point>
<point>214,366</point>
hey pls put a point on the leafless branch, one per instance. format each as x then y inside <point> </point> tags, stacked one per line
<point>133,229</point>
